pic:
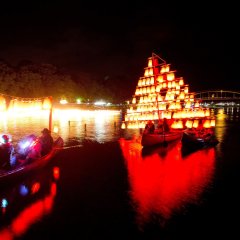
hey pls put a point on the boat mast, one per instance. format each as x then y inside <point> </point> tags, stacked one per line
<point>155,67</point>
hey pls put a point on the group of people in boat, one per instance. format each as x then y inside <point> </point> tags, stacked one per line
<point>28,149</point>
<point>162,127</point>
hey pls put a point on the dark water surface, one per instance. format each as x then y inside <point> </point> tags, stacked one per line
<point>111,189</point>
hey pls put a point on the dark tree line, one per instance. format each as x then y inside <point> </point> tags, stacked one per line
<point>31,80</point>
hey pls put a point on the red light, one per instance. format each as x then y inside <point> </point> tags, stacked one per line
<point>56,173</point>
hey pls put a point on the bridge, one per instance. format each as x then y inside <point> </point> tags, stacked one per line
<point>217,96</point>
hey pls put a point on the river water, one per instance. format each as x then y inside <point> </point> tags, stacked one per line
<point>107,187</point>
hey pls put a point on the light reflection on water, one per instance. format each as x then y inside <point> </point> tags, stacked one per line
<point>34,196</point>
<point>163,182</point>
<point>100,126</point>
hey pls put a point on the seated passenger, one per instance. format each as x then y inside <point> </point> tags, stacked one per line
<point>149,128</point>
<point>34,151</point>
<point>166,127</point>
<point>46,141</point>
<point>29,148</point>
<point>160,127</point>
<point>6,152</point>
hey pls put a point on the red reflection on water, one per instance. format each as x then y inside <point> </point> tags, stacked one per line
<point>35,187</point>
<point>56,173</point>
<point>32,213</point>
<point>28,216</point>
<point>164,181</point>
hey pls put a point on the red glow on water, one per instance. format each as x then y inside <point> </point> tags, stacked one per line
<point>35,187</point>
<point>56,173</point>
<point>164,183</point>
<point>29,216</point>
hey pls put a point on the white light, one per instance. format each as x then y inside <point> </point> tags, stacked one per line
<point>99,103</point>
<point>63,101</point>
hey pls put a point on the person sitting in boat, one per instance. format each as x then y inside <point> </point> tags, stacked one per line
<point>6,152</point>
<point>34,150</point>
<point>200,129</point>
<point>29,148</point>
<point>159,127</point>
<point>208,133</point>
<point>166,127</point>
<point>46,141</point>
<point>149,128</point>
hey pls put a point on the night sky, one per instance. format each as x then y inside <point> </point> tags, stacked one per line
<point>113,40</point>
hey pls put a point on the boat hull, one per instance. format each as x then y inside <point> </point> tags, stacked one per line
<point>149,140</point>
<point>192,142</point>
<point>22,169</point>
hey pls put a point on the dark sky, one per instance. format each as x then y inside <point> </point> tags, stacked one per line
<point>113,40</point>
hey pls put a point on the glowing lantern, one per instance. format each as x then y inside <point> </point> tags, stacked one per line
<point>188,104</point>
<point>182,95</point>
<point>143,82</point>
<point>195,123</point>
<point>47,103</point>
<point>150,63</point>
<point>147,81</point>
<point>2,103</point>
<point>170,76</point>
<point>158,88</point>
<point>152,89</point>
<point>207,113</point>
<point>196,105</point>
<point>213,123</point>
<point>181,82</point>
<point>134,100</point>
<point>146,73</point>
<point>150,72</point>
<point>189,124</point>
<point>160,78</point>
<point>206,124</point>
<point>152,80</point>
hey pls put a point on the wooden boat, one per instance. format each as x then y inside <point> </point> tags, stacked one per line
<point>153,139</point>
<point>38,163</point>
<point>162,95</point>
<point>194,141</point>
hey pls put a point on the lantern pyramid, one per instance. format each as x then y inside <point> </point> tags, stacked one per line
<point>161,94</point>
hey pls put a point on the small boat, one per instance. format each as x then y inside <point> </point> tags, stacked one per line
<point>36,164</point>
<point>152,139</point>
<point>194,141</point>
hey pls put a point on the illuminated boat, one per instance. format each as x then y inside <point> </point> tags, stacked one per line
<point>194,140</point>
<point>36,164</point>
<point>159,95</point>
